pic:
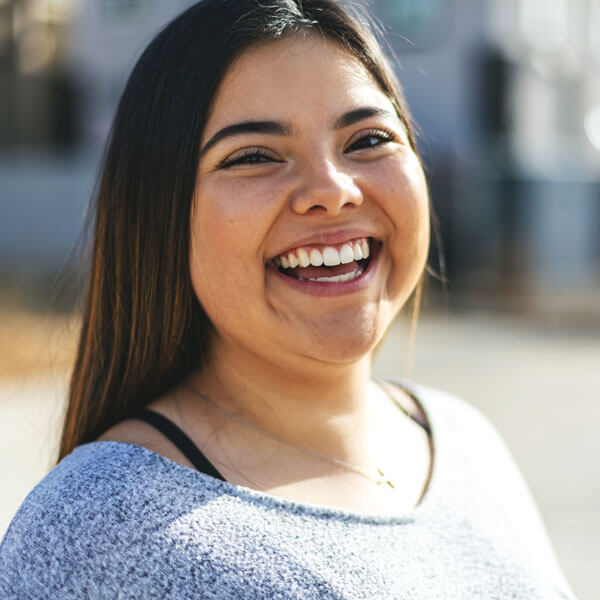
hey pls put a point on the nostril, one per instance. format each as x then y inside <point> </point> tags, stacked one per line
<point>324,206</point>
<point>331,193</point>
<point>317,208</point>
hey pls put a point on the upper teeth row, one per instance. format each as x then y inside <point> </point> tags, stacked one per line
<point>328,256</point>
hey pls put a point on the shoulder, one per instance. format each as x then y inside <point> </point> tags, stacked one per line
<point>471,454</point>
<point>461,428</point>
<point>447,410</point>
<point>139,433</point>
<point>485,484</point>
<point>99,510</point>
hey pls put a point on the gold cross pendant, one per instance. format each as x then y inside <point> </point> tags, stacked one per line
<point>383,479</point>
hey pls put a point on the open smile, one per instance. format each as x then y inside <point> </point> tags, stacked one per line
<point>328,266</point>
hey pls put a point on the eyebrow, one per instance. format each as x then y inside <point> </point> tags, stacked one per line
<point>277,128</point>
<point>271,127</point>
<point>359,114</point>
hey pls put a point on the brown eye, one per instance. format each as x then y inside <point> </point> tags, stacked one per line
<point>370,139</point>
<point>249,156</point>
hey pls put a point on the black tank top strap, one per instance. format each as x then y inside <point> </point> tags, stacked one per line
<point>179,439</point>
<point>389,387</point>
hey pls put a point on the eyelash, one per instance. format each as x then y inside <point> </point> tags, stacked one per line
<point>250,156</point>
<point>382,135</point>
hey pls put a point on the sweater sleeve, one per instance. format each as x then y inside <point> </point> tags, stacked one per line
<point>31,552</point>
<point>98,526</point>
<point>48,545</point>
<point>62,543</point>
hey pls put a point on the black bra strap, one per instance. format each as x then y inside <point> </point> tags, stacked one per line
<point>181,440</point>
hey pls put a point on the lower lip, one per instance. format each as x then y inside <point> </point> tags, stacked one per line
<point>333,288</point>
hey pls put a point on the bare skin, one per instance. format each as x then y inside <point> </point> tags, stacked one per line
<point>287,356</point>
<point>278,469</point>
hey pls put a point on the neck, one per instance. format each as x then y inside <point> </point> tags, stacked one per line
<point>322,406</point>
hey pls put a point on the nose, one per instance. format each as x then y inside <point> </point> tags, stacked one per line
<point>324,187</point>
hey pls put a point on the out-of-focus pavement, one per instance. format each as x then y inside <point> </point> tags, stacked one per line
<point>537,381</point>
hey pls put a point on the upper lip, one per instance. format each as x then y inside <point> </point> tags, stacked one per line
<point>325,238</point>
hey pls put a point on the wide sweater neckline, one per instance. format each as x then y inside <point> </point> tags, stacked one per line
<point>295,506</point>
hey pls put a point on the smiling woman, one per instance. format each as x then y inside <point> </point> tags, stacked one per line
<point>262,218</point>
<point>319,163</point>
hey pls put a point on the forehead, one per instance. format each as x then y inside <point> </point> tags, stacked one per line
<point>293,79</point>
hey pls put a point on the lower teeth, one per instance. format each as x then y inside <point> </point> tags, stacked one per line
<point>336,278</point>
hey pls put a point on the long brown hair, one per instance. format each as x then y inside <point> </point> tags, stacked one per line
<point>143,329</point>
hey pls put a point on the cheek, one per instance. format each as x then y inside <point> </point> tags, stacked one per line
<point>218,286</point>
<point>418,217</point>
<point>221,221</point>
<point>406,202</point>
<point>235,200</point>
<point>226,240</point>
<point>407,207</point>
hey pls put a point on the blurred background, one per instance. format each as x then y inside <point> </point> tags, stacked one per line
<point>506,95</point>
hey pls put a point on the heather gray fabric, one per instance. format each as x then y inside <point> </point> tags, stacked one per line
<point>115,520</point>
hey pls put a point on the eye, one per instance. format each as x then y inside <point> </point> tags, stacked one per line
<point>370,139</point>
<point>248,156</point>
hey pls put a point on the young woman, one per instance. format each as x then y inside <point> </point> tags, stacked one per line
<point>261,219</point>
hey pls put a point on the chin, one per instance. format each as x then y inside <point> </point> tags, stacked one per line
<point>345,340</point>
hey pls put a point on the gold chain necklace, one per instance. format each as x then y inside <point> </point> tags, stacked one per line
<point>375,475</point>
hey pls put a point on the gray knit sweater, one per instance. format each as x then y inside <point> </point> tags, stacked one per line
<point>115,520</point>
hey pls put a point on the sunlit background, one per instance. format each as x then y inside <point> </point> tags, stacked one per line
<point>506,95</point>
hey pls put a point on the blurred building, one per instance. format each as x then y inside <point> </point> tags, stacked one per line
<point>506,94</point>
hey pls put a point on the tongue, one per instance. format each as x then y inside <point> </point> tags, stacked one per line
<point>310,272</point>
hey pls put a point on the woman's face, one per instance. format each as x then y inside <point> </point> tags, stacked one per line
<point>304,161</point>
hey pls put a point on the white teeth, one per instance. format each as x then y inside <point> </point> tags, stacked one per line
<point>346,254</point>
<point>338,278</point>
<point>316,258</point>
<point>328,256</point>
<point>331,257</point>
<point>303,257</point>
<point>364,246</point>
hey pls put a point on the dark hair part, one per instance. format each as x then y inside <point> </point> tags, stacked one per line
<point>143,329</point>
